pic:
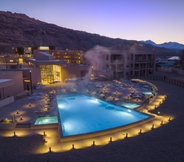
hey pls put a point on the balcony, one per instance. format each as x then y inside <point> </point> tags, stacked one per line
<point>138,60</point>
<point>119,70</point>
<point>117,61</point>
<point>144,60</point>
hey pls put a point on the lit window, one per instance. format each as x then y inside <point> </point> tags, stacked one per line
<point>43,48</point>
<point>20,60</point>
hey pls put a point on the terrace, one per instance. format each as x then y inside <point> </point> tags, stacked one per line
<point>26,111</point>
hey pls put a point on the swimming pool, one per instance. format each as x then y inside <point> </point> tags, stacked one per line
<point>130,105</point>
<point>81,114</point>
<point>147,93</point>
<point>46,120</point>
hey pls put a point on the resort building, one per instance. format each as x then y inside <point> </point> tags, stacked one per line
<point>10,86</point>
<point>47,66</point>
<point>24,80</point>
<point>70,56</point>
<point>56,70</point>
<point>50,68</point>
<point>15,61</point>
<point>129,63</point>
<point>16,87</point>
<point>125,64</point>
<point>4,98</point>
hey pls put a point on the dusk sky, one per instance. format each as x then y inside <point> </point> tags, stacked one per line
<point>157,20</point>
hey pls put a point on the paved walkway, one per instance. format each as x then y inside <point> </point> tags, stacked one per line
<point>26,108</point>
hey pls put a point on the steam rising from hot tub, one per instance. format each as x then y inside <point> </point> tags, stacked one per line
<point>96,58</point>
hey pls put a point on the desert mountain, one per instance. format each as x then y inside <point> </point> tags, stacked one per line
<point>169,45</point>
<point>19,30</point>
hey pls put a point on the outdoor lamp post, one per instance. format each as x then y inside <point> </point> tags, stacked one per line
<point>31,86</point>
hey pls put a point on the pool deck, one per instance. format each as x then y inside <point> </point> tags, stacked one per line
<point>25,110</point>
<point>29,109</point>
<point>162,144</point>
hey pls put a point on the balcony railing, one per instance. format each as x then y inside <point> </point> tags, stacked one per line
<point>144,60</point>
<point>116,61</point>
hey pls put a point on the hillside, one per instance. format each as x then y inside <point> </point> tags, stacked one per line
<point>21,30</point>
<point>169,45</point>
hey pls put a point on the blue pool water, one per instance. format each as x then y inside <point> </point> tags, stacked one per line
<point>148,93</point>
<point>81,114</point>
<point>46,120</point>
<point>130,105</point>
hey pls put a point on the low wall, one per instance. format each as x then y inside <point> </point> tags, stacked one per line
<point>170,70</point>
<point>25,93</point>
<point>165,79</point>
<point>103,133</point>
<point>46,126</point>
<point>11,125</point>
<point>6,101</point>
